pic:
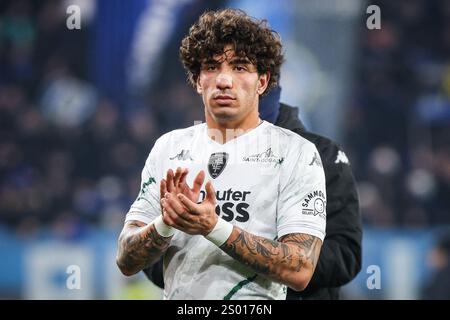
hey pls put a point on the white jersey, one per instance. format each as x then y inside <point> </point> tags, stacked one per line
<point>269,181</point>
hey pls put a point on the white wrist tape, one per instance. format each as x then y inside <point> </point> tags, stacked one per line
<point>163,229</point>
<point>220,233</point>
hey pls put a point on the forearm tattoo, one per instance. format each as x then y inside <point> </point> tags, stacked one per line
<point>138,249</point>
<point>269,257</point>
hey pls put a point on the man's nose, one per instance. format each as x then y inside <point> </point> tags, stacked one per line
<point>224,81</point>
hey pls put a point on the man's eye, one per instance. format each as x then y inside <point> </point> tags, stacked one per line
<point>211,68</point>
<point>240,68</point>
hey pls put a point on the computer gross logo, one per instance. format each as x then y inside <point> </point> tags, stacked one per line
<point>231,205</point>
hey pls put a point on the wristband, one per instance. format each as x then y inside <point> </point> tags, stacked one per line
<point>220,233</point>
<point>163,229</point>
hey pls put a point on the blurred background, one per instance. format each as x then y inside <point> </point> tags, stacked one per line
<point>80,110</point>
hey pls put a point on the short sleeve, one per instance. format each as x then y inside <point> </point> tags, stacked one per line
<point>302,198</point>
<point>147,207</point>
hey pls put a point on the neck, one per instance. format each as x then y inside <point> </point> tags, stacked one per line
<point>226,130</point>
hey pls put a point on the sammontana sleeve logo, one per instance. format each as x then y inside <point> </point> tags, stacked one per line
<point>314,204</point>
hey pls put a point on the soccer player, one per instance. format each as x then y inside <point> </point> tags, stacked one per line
<point>258,224</point>
<point>340,257</point>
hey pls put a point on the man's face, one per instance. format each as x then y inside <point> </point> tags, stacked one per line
<point>230,87</point>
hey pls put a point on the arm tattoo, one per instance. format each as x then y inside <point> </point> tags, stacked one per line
<point>139,246</point>
<point>307,243</point>
<point>293,252</point>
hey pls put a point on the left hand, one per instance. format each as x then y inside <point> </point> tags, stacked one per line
<point>190,217</point>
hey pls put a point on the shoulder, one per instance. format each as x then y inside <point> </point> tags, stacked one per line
<point>179,135</point>
<point>294,148</point>
<point>291,139</point>
<point>329,150</point>
<point>172,139</point>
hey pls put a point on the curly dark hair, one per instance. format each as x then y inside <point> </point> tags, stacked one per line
<point>250,38</point>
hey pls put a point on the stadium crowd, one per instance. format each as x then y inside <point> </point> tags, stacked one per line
<point>71,152</point>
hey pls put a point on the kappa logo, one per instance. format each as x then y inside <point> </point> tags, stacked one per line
<point>183,156</point>
<point>316,160</point>
<point>265,157</point>
<point>341,157</point>
<point>217,163</point>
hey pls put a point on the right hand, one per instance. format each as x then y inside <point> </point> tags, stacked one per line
<point>176,183</point>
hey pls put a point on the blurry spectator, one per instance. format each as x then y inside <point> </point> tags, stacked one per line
<point>67,101</point>
<point>61,137</point>
<point>400,98</point>
<point>438,286</point>
<point>17,36</point>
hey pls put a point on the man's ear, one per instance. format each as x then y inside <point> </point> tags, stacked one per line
<point>263,82</point>
<point>198,86</point>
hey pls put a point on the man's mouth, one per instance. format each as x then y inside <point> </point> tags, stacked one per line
<point>224,99</point>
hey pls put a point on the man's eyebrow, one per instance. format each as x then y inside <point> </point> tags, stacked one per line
<point>234,61</point>
<point>211,61</point>
<point>240,61</point>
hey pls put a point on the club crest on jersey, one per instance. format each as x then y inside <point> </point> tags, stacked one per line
<point>217,163</point>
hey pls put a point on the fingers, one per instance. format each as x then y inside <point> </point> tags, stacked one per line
<point>162,188</point>
<point>166,217</point>
<point>198,181</point>
<point>176,178</point>
<point>182,181</point>
<point>210,193</point>
<point>169,210</point>
<point>169,181</point>
<point>175,203</point>
<point>191,206</point>
<point>176,219</point>
<point>162,192</point>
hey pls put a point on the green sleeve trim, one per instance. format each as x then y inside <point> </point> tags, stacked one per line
<point>239,286</point>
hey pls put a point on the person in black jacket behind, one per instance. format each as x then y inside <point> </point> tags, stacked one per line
<point>340,257</point>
